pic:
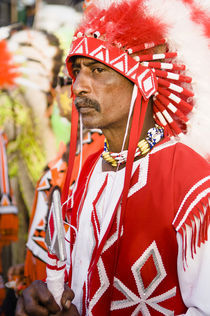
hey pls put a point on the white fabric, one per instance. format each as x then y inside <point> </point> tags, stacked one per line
<point>85,239</point>
<point>55,283</point>
<point>194,280</point>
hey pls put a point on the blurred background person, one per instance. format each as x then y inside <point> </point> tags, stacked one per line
<point>34,44</point>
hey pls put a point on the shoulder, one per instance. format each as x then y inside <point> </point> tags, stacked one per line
<point>187,173</point>
<point>180,157</point>
<point>188,179</point>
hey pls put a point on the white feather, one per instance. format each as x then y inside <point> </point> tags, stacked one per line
<point>105,4</point>
<point>203,4</point>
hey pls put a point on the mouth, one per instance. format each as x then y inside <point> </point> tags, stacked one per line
<point>85,109</point>
<point>86,105</point>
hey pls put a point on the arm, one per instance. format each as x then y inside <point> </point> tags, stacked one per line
<point>194,278</point>
<point>37,300</point>
<point>191,200</point>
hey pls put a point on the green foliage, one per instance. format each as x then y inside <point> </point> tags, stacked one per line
<point>26,143</point>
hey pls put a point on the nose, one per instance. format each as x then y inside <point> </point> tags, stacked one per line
<point>81,84</point>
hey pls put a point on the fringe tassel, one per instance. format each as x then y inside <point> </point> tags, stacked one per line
<point>194,231</point>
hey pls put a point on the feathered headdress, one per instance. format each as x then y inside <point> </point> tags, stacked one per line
<point>163,47</point>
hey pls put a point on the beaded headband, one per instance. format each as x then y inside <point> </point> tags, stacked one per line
<point>117,60</point>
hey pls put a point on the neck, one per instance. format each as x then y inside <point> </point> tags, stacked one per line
<point>115,140</point>
<point>115,136</point>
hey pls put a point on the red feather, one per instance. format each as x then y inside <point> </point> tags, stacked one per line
<point>8,71</point>
<point>119,22</point>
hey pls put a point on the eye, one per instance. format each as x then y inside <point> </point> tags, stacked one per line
<point>75,72</point>
<point>98,69</point>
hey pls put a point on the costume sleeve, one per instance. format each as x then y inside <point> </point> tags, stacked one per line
<point>194,277</point>
<point>192,193</point>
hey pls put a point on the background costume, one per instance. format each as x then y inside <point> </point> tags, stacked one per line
<point>36,256</point>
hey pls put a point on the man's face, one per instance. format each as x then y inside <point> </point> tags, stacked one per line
<point>103,96</point>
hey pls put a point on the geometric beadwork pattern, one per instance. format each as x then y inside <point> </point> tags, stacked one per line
<point>114,237</point>
<point>142,177</point>
<point>104,284</point>
<point>143,299</point>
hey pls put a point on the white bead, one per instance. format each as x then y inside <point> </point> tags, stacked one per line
<point>79,34</point>
<point>96,34</point>
<point>137,58</point>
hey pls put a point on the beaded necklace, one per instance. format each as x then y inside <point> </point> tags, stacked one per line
<point>154,135</point>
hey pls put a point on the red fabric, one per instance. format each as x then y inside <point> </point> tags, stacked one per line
<point>97,142</point>
<point>72,153</point>
<point>8,210</point>
<point>147,222</point>
<point>35,269</point>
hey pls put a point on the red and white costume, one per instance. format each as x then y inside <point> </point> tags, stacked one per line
<point>139,236</point>
<point>164,230</point>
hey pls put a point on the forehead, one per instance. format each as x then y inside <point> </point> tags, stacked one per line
<point>86,61</point>
<point>78,61</point>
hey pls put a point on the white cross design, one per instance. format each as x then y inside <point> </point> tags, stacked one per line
<point>104,284</point>
<point>144,299</point>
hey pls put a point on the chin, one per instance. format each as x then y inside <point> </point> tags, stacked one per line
<point>89,124</point>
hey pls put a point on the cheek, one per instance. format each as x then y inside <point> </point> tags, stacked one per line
<point>114,95</point>
<point>115,106</point>
<point>121,98</point>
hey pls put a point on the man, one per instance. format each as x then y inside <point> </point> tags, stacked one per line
<point>139,237</point>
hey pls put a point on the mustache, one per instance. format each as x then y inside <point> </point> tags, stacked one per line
<point>86,102</point>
